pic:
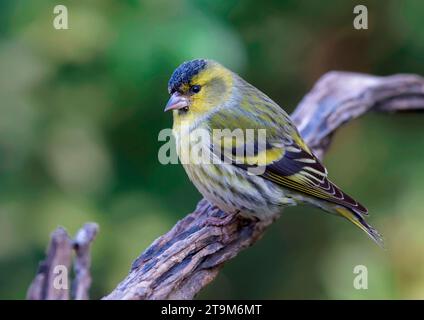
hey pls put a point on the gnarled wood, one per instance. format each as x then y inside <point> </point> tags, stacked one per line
<point>59,254</point>
<point>82,244</point>
<point>52,279</point>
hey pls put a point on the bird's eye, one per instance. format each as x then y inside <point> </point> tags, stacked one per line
<point>195,88</point>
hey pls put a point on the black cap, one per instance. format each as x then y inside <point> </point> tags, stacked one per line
<point>184,73</point>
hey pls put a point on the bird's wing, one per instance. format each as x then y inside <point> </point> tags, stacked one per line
<point>284,158</point>
<point>300,170</point>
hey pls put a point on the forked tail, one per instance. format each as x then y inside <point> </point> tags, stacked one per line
<point>360,222</point>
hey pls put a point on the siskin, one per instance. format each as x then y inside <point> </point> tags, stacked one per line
<point>207,96</point>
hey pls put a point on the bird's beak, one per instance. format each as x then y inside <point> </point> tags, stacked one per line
<point>177,101</point>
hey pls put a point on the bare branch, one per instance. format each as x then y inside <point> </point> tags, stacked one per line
<point>196,246</point>
<point>180,263</point>
<point>48,283</point>
<point>59,253</point>
<point>82,244</point>
<point>339,97</point>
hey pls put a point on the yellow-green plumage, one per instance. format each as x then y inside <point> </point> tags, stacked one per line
<point>207,96</point>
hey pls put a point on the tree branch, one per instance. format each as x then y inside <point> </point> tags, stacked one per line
<point>180,263</point>
<point>51,283</point>
<point>81,244</point>
<point>59,253</point>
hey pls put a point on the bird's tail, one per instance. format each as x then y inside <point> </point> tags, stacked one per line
<point>359,221</point>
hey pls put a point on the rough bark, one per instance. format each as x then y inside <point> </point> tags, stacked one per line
<point>52,279</point>
<point>81,244</point>
<point>59,253</point>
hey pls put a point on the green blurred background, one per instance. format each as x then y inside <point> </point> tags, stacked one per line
<point>81,109</point>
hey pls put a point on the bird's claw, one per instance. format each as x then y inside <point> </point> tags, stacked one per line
<point>219,222</point>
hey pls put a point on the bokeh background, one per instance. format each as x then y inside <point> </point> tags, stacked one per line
<point>81,109</point>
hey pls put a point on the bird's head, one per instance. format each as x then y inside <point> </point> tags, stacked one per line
<point>197,87</point>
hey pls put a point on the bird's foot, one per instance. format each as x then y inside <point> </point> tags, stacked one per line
<point>216,221</point>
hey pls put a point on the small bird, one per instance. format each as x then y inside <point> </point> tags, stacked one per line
<point>208,97</point>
